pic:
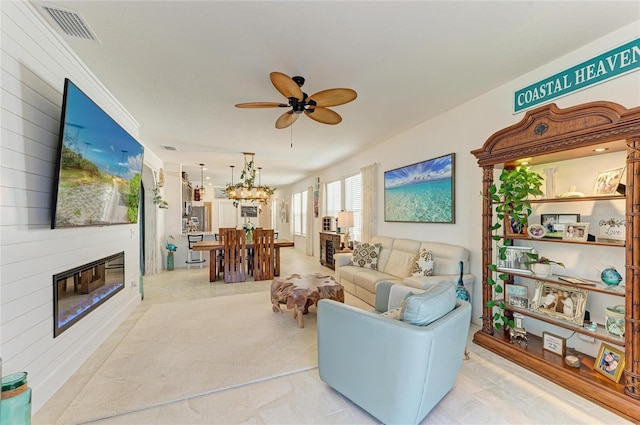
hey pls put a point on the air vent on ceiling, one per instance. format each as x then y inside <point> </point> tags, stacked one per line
<point>71,23</point>
<point>170,148</point>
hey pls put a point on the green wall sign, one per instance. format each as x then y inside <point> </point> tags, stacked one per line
<point>614,63</point>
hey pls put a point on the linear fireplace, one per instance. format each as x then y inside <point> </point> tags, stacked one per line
<point>78,291</point>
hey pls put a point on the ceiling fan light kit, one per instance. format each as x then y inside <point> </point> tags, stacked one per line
<point>314,106</point>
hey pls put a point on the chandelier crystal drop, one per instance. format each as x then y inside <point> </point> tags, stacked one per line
<point>246,189</point>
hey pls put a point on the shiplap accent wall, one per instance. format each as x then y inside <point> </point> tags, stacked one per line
<point>35,61</point>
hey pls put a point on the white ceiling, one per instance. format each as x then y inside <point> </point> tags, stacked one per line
<point>179,67</point>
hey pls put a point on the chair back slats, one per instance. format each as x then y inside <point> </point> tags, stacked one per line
<point>264,254</point>
<point>235,251</point>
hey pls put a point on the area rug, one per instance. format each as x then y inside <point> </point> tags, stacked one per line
<point>185,349</point>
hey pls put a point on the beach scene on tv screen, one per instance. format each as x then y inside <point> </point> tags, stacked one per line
<point>100,166</point>
<point>421,192</point>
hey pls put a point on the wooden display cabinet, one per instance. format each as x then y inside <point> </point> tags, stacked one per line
<point>546,135</point>
<point>329,244</point>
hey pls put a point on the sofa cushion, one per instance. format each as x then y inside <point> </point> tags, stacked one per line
<point>387,244</point>
<point>422,309</point>
<point>369,279</point>
<point>365,255</point>
<point>423,264</point>
<point>399,263</point>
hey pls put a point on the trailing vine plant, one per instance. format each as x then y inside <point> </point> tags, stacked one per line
<point>511,203</point>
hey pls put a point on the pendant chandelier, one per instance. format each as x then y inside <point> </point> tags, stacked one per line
<point>246,189</point>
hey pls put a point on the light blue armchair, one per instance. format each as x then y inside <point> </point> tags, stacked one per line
<point>394,370</point>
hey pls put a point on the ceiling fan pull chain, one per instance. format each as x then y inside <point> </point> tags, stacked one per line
<point>291,127</point>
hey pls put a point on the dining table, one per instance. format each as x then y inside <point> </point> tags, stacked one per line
<point>214,246</point>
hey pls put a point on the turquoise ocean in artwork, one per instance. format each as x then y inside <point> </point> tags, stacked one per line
<point>423,202</point>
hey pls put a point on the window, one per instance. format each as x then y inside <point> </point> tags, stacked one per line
<point>353,202</point>
<point>346,195</point>
<point>334,198</point>
<point>300,213</point>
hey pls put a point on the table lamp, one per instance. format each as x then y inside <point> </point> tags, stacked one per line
<point>345,219</point>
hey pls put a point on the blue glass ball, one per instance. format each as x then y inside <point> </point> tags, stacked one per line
<point>610,277</point>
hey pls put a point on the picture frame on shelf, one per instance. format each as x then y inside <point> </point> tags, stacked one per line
<point>513,227</point>
<point>430,185</point>
<point>554,343</point>
<point>537,231</point>
<point>516,291</point>
<point>559,302</point>
<point>518,302</point>
<point>610,362</point>
<point>515,258</point>
<point>554,223</point>
<point>607,182</point>
<point>576,232</point>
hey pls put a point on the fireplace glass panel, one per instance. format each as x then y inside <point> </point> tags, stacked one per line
<point>78,291</point>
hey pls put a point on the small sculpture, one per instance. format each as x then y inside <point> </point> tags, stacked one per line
<point>170,245</point>
<point>518,335</point>
<point>610,276</point>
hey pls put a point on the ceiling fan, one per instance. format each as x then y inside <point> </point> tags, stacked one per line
<point>314,106</point>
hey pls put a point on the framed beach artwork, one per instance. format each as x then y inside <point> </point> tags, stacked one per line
<point>421,192</point>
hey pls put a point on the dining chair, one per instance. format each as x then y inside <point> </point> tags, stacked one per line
<point>235,251</point>
<point>263,254</point>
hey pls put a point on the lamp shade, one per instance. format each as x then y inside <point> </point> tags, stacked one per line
<point>345,219</point>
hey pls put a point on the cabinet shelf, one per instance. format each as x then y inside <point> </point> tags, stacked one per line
<point>579,199</point>
<point>600,333</point>
<point>599,287</point>
<point>583,380</point>
<point>558,240</point>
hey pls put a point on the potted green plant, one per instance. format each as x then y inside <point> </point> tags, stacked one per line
<point>510,200</point>
<point>540,266</point>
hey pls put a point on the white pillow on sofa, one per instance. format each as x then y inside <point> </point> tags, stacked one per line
<point>429,306</point>
<point>423,264</point>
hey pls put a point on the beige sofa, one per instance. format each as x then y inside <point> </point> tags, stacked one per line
<point>394,265</point>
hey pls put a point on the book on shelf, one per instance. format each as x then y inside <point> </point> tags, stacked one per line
<point>576,281</point>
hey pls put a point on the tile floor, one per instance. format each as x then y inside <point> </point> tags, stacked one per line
<point>490,389</point>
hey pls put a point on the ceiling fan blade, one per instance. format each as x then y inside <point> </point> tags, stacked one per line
<point>324,115</point>
<point>261,105</point>
<point>285,85</point>
<point>286,119</point>
<point>333,97</point>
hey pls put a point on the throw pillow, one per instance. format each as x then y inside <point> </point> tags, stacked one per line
<point>422,309</point>
<point>365,255</point>
<point>423,264</point>
<point>393,313</point>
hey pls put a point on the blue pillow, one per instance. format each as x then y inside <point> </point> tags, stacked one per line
<point>429,306</point>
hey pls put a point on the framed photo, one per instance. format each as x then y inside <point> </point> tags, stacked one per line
<point>560,302</point>
<point>516,291</point>
<point>518,321</point>
<point>518,302</point>
<point>607,181</point>
<point>515,258</point>
<point>575,232</point>
<point>610,362</point>
<point>554,223</point>
<point>421,192</point>
<point>537,231</point>
<point>248,211</point>
<point>514,227</point>
<point>554,343</point>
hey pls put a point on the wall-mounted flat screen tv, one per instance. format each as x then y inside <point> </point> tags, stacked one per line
<point>99,166</point>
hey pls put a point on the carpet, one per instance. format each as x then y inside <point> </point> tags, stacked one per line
<point>185,349</point>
